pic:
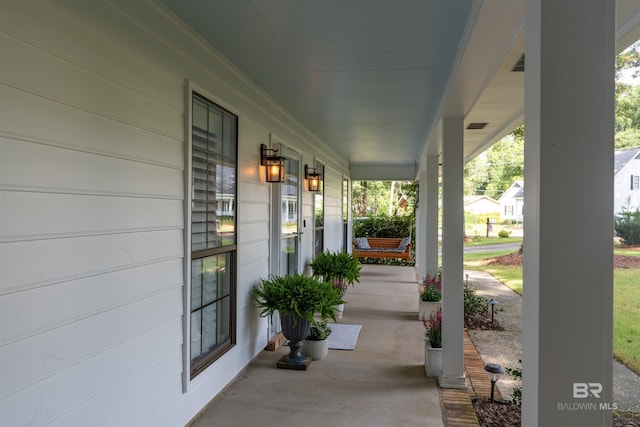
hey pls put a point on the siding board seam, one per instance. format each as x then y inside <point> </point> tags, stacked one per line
<point>80,149</point>
<point>252,241</point>
<point>151,393</point>
<point>94,72</point>
<point>111,383</point>
<point>96,113</point>
<point>57,325</point>
<point>255,221</point>
<point>70,278</point>
<point>254,202</point>
<point>75,192</point>
<point>94,233</point>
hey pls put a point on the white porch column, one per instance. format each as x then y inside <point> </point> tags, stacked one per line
<point>427,218</point>
<point>452,251</point>
<point>431,207</point>
<point>421,224</point>
<point>568,285</point>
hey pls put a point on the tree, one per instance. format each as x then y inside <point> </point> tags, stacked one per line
<point>629,60</point>
<point>373,198</point>
<point>627,121</point>
<point>496,169</point>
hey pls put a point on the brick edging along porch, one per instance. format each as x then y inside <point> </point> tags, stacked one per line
<point>457,407</point>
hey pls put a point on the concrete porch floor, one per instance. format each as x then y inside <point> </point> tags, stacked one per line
<point>381,383</point>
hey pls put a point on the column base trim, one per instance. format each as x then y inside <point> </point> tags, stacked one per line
<point>453,382</point>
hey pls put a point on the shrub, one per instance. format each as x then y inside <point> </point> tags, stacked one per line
<point>319,330</point>
<point>627,227</point>
<point>299,295</point>
<point>338,268</point>
<point>474,304</point>
<point>504,234</point>
<point>471,218</point>
<point>516,397</point>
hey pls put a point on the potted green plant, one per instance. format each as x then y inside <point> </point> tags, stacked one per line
<point>316,345</point>
<point>297,298</point>
<point>338,268</point>
<point>433,343</point>
<point>430,295</point>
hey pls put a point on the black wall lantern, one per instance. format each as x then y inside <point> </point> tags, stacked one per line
<point>273,163</point>
<point>313,178</point>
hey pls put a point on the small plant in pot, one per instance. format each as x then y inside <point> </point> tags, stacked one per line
<point>297,298</point>
<point>338,268</point>
<point>316,345</point>
<point>430,293</point>
<point>433,328</point>
<point>433,343</point>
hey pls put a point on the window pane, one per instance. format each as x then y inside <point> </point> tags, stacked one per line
<point>213,202</point>
<point>196,283</point>
<point>196,335</point>
<point>214,137</point>
<point>209,282</point>
<point>224,315</point>
<point>211,291</point>
<point>223,279</point>
<point>209,328</point>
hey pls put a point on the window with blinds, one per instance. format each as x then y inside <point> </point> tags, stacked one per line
<point>213,231</point>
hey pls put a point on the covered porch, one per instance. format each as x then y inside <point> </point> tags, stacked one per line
<point>96,191</point>
<point>381,382</point>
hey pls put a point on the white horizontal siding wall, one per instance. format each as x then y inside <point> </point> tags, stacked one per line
<point>92,98</point>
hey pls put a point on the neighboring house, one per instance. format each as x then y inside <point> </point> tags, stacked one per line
<point>512,202</point>
<point>481,205</point>
<point>626,186</point>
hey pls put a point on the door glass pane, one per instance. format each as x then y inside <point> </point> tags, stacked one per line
<point>290,198</point>
<point>289,255</point>
<point>289,217</point>
<point>318,205</point>
<point>345,213</point>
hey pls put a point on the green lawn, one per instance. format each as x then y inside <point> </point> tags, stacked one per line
<point>628,252</point>
<point>626,317</point>
<point>626,320</point>
<point>482,241</point>
<point>481,229</point>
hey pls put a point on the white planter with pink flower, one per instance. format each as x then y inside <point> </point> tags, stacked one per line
<point>432,360</point>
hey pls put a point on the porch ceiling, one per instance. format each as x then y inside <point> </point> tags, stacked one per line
<point>372,78</point>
